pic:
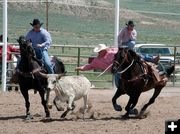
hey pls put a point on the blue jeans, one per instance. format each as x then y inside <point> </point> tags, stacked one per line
<point>43,54</point>
<point>147,57</point>
<point>130,44</point>
<point>117,79</point>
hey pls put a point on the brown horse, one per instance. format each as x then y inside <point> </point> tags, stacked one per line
<point>134,81</point>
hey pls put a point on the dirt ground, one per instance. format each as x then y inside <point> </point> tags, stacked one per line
<point>100,119</point>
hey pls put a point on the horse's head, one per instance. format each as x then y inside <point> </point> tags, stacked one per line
<point>26,48</point>
<point>123,58</point>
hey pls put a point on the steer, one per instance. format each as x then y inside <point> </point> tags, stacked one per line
<point>69,89</point>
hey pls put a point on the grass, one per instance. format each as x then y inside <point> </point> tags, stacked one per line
<point>67,29</point>
<point>75,30</point>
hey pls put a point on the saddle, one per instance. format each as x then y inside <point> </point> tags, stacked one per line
<point>151,70</point>
<point>41,63</point>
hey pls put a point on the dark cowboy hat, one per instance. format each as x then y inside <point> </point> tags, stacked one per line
<point>36,22</point>
<point>130,23</point>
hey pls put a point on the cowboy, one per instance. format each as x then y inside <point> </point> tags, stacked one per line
<point>127,35</point>
<point>41,41</point>
<point>103,60</point>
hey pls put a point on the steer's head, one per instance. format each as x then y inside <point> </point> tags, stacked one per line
<point>52,79</point>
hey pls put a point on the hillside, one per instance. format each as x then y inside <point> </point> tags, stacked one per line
<point>86,22</point>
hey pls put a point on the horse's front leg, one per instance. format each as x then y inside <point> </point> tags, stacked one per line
<point>117,95</point>
<point>131,104</point>
<point>44,102</point>
<point>27,103</point>
<point>47,98</point>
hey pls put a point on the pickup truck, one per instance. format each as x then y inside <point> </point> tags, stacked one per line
<point>166,55</point>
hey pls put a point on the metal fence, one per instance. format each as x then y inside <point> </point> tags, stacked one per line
<point>74,56</point>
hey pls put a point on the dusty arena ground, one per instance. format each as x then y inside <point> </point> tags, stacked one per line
<point>100,119</point>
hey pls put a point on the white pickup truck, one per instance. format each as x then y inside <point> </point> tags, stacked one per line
<point>166,55</point>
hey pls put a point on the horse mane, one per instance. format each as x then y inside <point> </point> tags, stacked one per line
<point>134,54</point>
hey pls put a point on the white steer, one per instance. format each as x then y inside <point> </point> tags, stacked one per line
<point>69,89</point>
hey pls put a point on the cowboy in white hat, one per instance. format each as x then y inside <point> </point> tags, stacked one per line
<point>102,61</point>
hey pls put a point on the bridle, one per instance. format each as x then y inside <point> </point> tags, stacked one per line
<point>126,68</point>
<point>120,64</point>
<point>24,45</point>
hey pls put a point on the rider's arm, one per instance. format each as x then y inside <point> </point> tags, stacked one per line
<point>133,35</point>
<point>91,66</point>
<point>47,39</point>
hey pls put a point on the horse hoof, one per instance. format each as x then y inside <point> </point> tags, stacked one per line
<point>29,117</point>
<point>134,112</point>
<point>126,116</point>
<point>50,106</point>
<point>117,107</point>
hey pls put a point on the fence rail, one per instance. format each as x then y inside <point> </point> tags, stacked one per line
<point>76,54</point>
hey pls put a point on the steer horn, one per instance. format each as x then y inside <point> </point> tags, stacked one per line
<point>60,75</point>
<point>43,75</point>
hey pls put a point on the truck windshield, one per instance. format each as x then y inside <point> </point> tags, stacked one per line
<point>154,51</point>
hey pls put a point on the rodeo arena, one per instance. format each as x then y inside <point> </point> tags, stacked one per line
<point>90,67</point>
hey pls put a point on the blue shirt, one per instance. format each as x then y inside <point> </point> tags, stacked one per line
<point>41,37</point>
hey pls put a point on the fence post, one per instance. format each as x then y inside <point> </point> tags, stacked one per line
<point>174,66</point>
<point>78,60</point>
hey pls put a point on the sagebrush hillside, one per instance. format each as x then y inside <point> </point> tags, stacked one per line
<point>86,22</point>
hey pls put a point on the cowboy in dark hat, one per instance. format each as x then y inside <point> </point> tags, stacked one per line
<point>127,35</point>
<point>36,22</point>
<point>41,41</point>
<point>130,23</point>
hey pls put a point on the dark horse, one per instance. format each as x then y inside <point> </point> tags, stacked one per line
<point>29,77</point>
<point>134,81</point>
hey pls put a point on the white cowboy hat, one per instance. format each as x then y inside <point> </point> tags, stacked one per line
<point>100,47</point>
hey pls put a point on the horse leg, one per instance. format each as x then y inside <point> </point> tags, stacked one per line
<point>117,95</point>
<point>44,103</point>
<point>152,100</point>
<point>47,98</point>
<point>131,104</point>
<point>27,103</point>
<point>133,110</point>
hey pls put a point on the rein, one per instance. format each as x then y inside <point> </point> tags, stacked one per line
<point>126,67</point>
<point>30,74</point>
<point>105,70</point>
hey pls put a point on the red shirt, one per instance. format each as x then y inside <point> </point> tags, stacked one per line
<point>10,49</point>
<point>101,62</point>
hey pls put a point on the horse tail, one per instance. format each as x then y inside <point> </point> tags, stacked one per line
<point>170,70</point>
<point>59,65</point>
